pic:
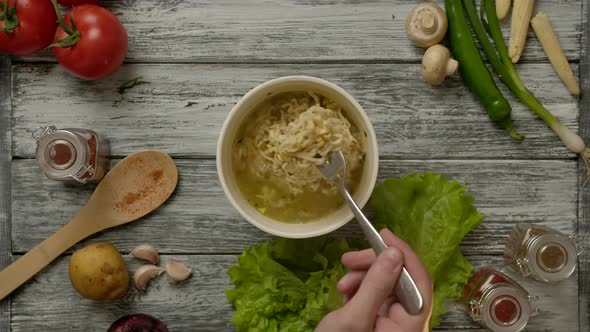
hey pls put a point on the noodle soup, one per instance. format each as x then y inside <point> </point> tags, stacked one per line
<point>275,154</point>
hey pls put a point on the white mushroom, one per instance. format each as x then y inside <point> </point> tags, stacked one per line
<point>426,24</point>
<point>437,64</point>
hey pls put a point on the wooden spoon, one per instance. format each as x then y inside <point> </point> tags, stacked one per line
<point>137,185</point>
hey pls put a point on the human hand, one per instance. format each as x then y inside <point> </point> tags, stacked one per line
<point>368,289</point>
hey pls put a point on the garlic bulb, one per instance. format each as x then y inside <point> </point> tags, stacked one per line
<point>144,274</point>
<point>147,253</point>
<point>177,271</point>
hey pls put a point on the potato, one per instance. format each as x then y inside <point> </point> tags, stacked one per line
<point>98,272</point>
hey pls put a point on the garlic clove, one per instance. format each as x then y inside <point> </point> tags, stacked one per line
<point>177,271</point>
<point>144,274</point>
<point>147,253</point>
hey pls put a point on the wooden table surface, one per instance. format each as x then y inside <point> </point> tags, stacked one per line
<point>197,58</point>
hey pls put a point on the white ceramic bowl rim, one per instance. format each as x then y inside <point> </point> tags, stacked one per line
<point>361,195</point>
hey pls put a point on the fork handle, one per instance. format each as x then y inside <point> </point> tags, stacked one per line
<point>406,290</point>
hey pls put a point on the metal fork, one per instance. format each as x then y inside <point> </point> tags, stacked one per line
<point>406,290</point>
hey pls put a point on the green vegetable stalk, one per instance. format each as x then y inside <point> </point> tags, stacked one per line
<point>474,72</point>
<point>505,70</point>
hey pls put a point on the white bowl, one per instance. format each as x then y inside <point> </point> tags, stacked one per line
<point>233,122</point>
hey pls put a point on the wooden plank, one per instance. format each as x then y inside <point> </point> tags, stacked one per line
<point>183,107</point>
<point>5,180</point>
<point>199,219</point>
<point>49,303</point>
<point>292,31</point>
<point>584,193</point>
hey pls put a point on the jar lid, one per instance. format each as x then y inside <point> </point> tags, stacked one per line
<point>61,153</point>
<point>506,309</point>
<point>552,257</point>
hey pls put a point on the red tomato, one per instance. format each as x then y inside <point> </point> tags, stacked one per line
<point>34,30</point>
<point>74,2</point>
<point>101,46</point>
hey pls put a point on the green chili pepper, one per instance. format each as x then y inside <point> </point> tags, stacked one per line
<point>474,72</point>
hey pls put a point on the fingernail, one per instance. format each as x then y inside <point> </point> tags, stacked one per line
<point>343,280</point>
<point>391,259</point>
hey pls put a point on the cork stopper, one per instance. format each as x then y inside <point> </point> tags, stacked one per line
<point>505,310</point>
<point>552,257</point>
<point>60,154</point>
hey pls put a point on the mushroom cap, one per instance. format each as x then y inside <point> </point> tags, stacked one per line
<point>437,64</point>
<point>426,24</point>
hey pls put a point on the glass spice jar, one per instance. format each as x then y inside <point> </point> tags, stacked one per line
<point>541,253</point>
<point>71,154</point>
<point>497,302</point>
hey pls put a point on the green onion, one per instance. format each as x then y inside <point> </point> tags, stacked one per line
<point>505,70</point>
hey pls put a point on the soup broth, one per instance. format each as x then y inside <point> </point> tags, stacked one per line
<point>276,152</point>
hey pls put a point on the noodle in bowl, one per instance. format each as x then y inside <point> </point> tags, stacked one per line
<point>269,147</point>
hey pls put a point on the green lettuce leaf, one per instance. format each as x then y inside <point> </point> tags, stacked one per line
<point>287,285</point>
<point>432,215</point>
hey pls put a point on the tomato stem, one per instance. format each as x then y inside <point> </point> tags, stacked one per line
<point>71,30</point>
<point>9,17</point>
<point>60,20</point>
<point>4,9</point>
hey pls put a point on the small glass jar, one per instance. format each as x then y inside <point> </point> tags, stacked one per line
<point>497,302</point>
<point>71,154</point>
<point>541,253</point>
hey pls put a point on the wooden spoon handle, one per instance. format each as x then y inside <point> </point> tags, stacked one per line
<point>44,253</point>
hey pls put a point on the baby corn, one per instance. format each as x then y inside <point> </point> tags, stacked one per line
<point>521,17</point>
<point>502,8</point>
<point>548,39</point>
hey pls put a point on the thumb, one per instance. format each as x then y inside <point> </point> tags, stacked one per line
<point>378,284</point>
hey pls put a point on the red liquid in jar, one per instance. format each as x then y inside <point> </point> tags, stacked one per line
<point>496,301</point>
